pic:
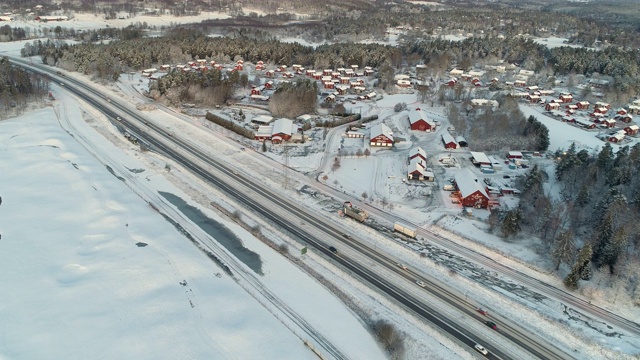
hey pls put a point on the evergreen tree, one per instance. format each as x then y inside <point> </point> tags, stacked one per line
<point>563,248</point>
<point>605,157</point>
<point>583,196</point>
<point>581,268</point>
<point>511,223</point>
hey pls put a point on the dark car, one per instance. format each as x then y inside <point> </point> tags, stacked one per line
<point>347,236</point>
<point>492,325</point>
<point>506,177</point>
<point>333,250</point>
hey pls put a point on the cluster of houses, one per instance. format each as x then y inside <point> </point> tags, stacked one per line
<point>417,166</point>
<point>451,143</point>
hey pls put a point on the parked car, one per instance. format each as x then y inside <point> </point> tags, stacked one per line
<point>506,177</point>
<point>492,325</point>
<point>333,250</point>
<point>481,349</point>
<point>482,311</point>
<point>420,283</point>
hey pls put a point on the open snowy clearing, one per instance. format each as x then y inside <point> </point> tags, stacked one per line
<point>96,270</point>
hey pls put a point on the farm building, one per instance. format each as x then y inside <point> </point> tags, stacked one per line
<point>480,158</point>
<point>462,142</point>
<point>632,130</point>
<point>418,121</point>
<point>449,142</point>
<point>417,152</point>
<point>416,169</point>
<point>472,192</point>
<point>282,130</point>
<point>514,155</point>
<point>380,135</point>
<point>262,119</point>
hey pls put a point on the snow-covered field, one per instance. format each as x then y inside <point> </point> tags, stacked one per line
<point>92,271</point>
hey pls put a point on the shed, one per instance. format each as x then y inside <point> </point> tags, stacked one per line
<point>461,141</point>
<point>449,142</point>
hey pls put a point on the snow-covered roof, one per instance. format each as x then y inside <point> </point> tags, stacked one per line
<point>417,115</point>
<point>416,164</point>
<point>480,157</point>
<point>447,138</point>
<point>468,183</point>
<point>283,126</point>
<point>417,151</point>
<point>380,129</point>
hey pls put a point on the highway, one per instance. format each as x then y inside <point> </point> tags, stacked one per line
<point>279,210</point>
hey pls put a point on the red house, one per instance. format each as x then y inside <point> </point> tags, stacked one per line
<point>257,90</point>
<point>566,98</point>
<point>269,85</point>
<point>472,192</point>
<point>626,118</point>
<point>600,110</point>
<point>328,85</point>
<point>418,121</point>
<point>270,73</point>
<point>583,105</point>
<point>617,137</point>
<point>632,130</point>
<point>621,111</point>
<point>609,123</point>
<point>552,106</point>
<point>282,130</point>
<point>452,82</point>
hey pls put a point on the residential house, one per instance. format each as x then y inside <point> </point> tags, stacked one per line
<point>632,130</point>
<point>417,152</point>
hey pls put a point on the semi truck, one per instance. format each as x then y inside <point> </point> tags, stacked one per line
<point>355,213</point>
<point>405,229</point>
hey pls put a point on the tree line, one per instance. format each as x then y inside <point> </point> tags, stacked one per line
<point>591,222</point>
<point>19,87</point>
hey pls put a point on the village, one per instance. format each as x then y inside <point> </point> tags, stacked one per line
<point>436,158</point>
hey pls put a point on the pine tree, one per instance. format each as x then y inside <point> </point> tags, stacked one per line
<point>563,248</point>
<point>581,268</point>
<point>583,196</point>
<point>605,157</point>
<point>511,223</point>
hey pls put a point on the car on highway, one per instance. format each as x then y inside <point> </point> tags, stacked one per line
<point>421,283</point>
<point>402,266</point>
<point>333,250</point>
<point>479,348</point>
<point>118,118</point>
<point>491,324</point>
<point>61,84</point>
<point>482,311</point>
<point>347,236</point>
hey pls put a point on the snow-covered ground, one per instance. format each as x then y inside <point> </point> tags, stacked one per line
<point>93,271</point>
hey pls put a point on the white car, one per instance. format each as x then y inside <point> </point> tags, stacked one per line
<point>421,284</point>
<point>402,266</point>
<point>481,349</point>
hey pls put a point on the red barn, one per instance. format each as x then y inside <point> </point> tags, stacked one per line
<point>417,153</point>
<point>269,84</point>
<point>472,192</point>
<point>621,111</point>
<point>418,120</point>
<point>449,141</point>
<point>380,135</point>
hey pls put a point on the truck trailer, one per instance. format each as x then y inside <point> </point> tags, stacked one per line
<point>405,229</point>
<point>354,212</point>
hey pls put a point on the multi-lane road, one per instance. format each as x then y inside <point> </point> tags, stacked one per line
<point>253,195</point>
